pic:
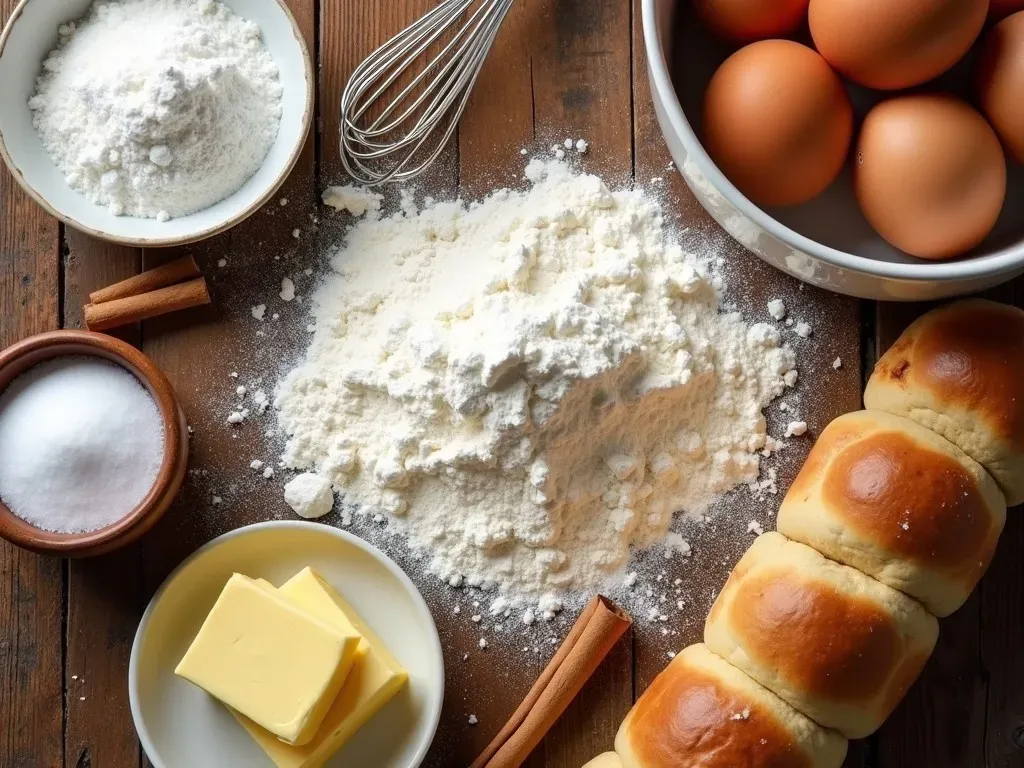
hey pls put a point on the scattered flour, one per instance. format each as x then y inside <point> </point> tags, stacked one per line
<point>158,108</point>
<point>309,495</point>
<point>529,386</point>
<point>354,200</point>
<point>796,428</point>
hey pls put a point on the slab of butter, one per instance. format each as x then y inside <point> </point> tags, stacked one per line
<point>376,676</point>
<point>262,656</point>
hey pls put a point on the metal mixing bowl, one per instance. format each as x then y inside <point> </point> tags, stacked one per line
<point>827,241</point>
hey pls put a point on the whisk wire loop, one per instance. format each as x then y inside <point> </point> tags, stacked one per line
<point>385,138</point>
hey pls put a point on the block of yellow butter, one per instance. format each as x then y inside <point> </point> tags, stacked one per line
<point>376,676</point>
<point>262,656</point>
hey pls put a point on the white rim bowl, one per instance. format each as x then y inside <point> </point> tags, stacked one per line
<point>986,268</point>
<point>276,550</point>
<point>31,33</point>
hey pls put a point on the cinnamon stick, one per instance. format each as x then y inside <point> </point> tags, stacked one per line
<point>593,635</point>
<point>111,314</point>
<point>167,274</point>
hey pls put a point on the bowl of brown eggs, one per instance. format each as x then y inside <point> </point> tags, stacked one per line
<point>871,147</point>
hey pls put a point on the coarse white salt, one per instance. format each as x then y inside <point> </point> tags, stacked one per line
<point>81,443</point>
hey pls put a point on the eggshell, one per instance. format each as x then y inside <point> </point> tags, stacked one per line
<point>929,174</point>
<point>999,8</point>
<point>777,122</point>
<point>1000,82</point>
<point>890,44</point>
<point>744,21</point>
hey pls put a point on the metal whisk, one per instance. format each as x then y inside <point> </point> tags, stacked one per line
<point>412,127</point>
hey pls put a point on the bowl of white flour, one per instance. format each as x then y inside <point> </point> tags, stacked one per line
<point>153,122</point>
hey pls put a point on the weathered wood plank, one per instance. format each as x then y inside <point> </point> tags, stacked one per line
<point>104,595</point>
<point>1002,641</point>
<point>31,587</point>
<point>823,393</point>
<point>349,30</point>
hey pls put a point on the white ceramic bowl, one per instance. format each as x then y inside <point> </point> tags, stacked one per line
<point>826,242</point>
<point>179,725</point>
<point>31,33</point>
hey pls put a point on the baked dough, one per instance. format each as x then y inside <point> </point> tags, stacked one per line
<point>701,712</point>
<point>959,371</point>
<point>890,498</point>
<point>606,760</point>
<point>835,644</point>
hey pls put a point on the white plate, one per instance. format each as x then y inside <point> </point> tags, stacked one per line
<point>31,33</point>
<point>180,726</point>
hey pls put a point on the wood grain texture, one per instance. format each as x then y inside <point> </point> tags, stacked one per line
<point>1002,624</point>
<point>349,31</point>
<point>31,587</point>
<point>104,595</point>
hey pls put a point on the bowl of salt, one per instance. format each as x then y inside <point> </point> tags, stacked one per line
<point>93,443</point>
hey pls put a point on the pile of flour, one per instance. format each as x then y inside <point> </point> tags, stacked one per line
<point>530,385</point>
<point>158,108</point>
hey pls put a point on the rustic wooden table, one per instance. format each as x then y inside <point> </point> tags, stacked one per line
<point>561,68</point>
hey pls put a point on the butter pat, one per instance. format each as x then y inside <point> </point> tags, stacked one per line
<point>264,657</point>
<point>376,676</point>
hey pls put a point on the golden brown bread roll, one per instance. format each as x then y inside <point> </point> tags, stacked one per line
<point>701,712</point>
<point>959,371</point>
<point>894,500</point>
<point>835,644</point>
<point>606,760</point>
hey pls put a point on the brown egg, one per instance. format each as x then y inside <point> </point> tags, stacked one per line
<point>929,175</point>
<point>744,21</point>
<point>778,122</point>
<point>892,44</point>
<point>999,8</point>
<point>1000,82</point>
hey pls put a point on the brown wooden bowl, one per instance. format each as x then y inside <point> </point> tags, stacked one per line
<point>17,359</point>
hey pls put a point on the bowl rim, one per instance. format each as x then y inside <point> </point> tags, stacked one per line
<point>329,530</point>
<point>1005,261</point>
<point>203,234</point>
<point>52,345</point>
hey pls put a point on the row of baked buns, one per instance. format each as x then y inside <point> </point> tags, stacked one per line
<point>823,626</point>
